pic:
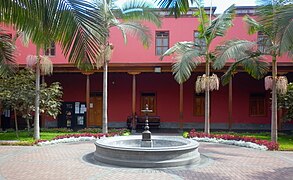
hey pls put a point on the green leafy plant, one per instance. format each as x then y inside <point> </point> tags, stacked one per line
<point>185,134</point>
<point>285,102</point>
<point>18,92</point>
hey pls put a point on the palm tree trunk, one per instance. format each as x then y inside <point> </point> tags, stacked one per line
<point>207,100</point>
<point>274,118</point>
<point>16,124</point>
<point>37,99</point>
<point>105,97</point>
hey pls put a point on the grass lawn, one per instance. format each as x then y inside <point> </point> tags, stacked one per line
<point>285,140</point>
<point>28,136</point>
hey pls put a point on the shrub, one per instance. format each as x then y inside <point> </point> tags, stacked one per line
<point>17,143</point>
<point>185,134</point>
<point>90,130</point>
<point>57,130</point>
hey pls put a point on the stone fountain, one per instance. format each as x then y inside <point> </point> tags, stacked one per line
<point>147,151</point>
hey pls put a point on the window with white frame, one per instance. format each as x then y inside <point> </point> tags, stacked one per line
<point>51,51</point>
<point>262,42</point>
<point>162,42</point>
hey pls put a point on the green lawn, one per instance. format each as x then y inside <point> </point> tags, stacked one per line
<point>28,136</point>
<point>285,141</point>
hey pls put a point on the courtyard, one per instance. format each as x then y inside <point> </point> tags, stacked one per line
<point>69,161</point>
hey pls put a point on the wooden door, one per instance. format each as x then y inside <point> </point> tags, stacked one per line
<point>150,100</point>
<point>96,111</point>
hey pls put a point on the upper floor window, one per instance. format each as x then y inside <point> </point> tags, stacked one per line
<point>162,42</point>
<point>257,105</point>
<point>150,100</point>
<point>198,40</point>
<point>199,104</point>
<point>51,51</point>
<point>262,42</point>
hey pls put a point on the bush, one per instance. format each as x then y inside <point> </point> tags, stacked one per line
<point>17,143</point>
<point>90,130</point>
<point>56,130</point>
<point>185,134</point>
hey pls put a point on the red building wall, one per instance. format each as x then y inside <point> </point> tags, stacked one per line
<point>163,84</point>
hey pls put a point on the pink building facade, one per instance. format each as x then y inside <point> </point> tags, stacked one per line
<point>137,77</point>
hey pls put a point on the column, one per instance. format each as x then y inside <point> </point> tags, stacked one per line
<point>133,98</point>
<point>87,96</point>
<point>230,105</point>
<point>181,107</point>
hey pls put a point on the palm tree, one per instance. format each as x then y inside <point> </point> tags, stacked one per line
<point>190,54</point>
<point>69,22</point>
<point>275,22</point>
<point>131,13</point>
<point>41,65</point>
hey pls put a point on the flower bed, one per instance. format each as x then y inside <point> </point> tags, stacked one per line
<point>242,141</point>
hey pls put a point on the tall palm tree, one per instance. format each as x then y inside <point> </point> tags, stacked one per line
<point>131,14</point>
<point>275,22</point>
<point>190,54</point>
<point>69,22</point>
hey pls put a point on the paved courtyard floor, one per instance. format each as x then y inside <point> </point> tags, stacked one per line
<point>66,161</point>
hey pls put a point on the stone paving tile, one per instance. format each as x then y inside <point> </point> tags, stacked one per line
<point>65,161</point>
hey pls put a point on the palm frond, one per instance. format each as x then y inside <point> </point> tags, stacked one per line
<point>181,47</point>
<point>177,7</point>
<point>136,30</point>
<point>220,24</point>
<point>233,49</point>
<point>225,79</point>
<point>24,38</point>
<point>185,63</point>
<point>203,20</point>
<point>254,65</point>
<point>138,10</point>
<point>187,57</point>
<point>7,56</point>
<point>78,20</point>
<point>285,29</point>
<point>253,25</point>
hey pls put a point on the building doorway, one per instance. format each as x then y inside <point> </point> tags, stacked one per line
<point>95,110</point>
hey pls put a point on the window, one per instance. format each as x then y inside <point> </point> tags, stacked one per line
<point>198,104</point>
<point>198,40</point>
<point>262,42</point>
<point>162,42</point>
<point>150,100</point>
<point>257,105</point>
<point>51,51</point>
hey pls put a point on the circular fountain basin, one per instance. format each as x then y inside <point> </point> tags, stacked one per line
<point>167,151</point>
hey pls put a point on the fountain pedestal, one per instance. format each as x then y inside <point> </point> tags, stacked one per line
<point>146,139</point>
<point>146,134</point>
